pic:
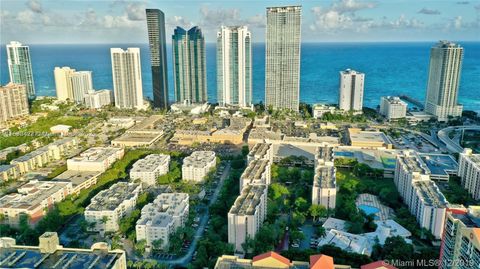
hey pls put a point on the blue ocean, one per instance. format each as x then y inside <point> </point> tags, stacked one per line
<point>390,69</point>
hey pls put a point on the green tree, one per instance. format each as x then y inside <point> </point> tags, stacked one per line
<point>317,211</point>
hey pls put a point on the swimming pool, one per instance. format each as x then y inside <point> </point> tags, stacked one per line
<point>369,210</point>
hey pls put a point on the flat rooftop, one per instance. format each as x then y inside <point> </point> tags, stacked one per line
<point>166,204</point>
<point>32,194</point>
<point>259,150</point>
<point>150,163</point>
<point>111,198</point>
<point>325,177</point>
<point>96,154</point>
<point>146,138</point>
<point>324,153</point>
<point>440,164</point>
<point>199,159</point>
<point>367,136</point>
<point>248,200</point>
<point>76,177</point>
<point>413,162</point>
<point>255,169</point>
<point>28,257</point>
<point>430,193</point>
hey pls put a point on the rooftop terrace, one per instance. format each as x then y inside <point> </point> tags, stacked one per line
<point>255,169</point>
<point>430,194</point>
<point>111,198</point>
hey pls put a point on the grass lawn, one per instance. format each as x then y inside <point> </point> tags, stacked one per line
<point>36,129</point>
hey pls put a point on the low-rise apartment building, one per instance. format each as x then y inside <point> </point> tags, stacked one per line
<point>8,172</point>
<point>80,179</point>
<point>369,139</point>
<point>50,254</point>
<point>196,166</point>
<point>393,108</point>
<point>469,171</point>
<point>162,217</point>
<point>32,199</point>
<point>247,215</point>
<point>148,169</point>
<point>109,206</point>
<point>41,156</point>
<point>95,159</point>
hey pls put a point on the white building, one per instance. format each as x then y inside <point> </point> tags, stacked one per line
<point>234,66</point>
<point>258,171</point>
<point>419,193</point>
<point>81,85</point>
<point>351,90</point>
<point>282,57</point>
<point>469,171</point>
<point>162,217</point>
<point>392,107</point>
<point>13,101</point>
<point>247,215</point>
<point>319,110</point>
<point>33,199</point>
<point>150,168</point>
<point>95,159</point>
<point>261,151</point>
<point>109,206</point>
<point>98,99</point>
<point>63,83</point>
<point>127,78</point>
<point>324,190</point>
<point>443,80</point>
<point>196,166</point>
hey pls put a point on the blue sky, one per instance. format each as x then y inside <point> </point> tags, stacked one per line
<point>122,21</point>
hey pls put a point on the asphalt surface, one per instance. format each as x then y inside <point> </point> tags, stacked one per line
<point>185,259</point>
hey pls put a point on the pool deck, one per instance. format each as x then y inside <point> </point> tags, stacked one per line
<point>385,212</point>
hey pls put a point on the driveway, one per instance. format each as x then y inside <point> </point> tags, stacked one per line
<point>185,260</point>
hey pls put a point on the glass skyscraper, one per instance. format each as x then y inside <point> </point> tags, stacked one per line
<point>234,66</point>
<point>282,57</point>
<point>158,57</point>
<point>443,80</point>
<point>189,64</point>
<point>20,66</point>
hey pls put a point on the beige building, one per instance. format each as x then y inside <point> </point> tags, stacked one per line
<point>196,166</point>
<point>63,83</point>
<point>393,108</point>
<point>13,101</point>
<point>162,217</point>
<point>142,134</point>
<point>261,151</point>
<point>148,169</point>
<point>461,239</point>
<point>324,190</point>
<point>80,179</point>
<point>109,206</point>
<point>469,171</point>
<point>98,99</point>
<point>369,139</point>
<point>32,199</point>
<point>50,254</point>
<point>273,260</point>
<point>8,172</point>
<point>127,78</point>
<point>247,215</point>
<point>419,193</point>
<point>95,159</point>
<point>41,156</point>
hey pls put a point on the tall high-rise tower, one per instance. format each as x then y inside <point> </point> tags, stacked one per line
<point>282,57</point>
<point>189,64</point>
<point>63,83</point>
<point>234,66</point>
<point>443,80</point>
<point>20,66</point>
<point>351,90</point>
<point>158,57</point>
<point>127,78</point>
<point>81,85</point>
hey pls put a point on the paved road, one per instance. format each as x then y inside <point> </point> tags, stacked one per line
<point>453,144</point>
<point>185,260</point>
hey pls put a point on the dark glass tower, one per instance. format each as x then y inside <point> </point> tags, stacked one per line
<point>158,57</point>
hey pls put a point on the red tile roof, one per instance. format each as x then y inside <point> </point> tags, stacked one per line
<point>274,255</point>
<point>377,264</point>
<point>321,262</point>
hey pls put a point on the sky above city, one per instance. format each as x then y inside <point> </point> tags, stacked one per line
<point>122,21</point>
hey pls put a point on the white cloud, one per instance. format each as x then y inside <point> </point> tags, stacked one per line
<point>427,11</point>
<point>25,17</point>
<point>214,18</point>
<point>457,22</point>
<point>135,11</point>
<point>344,6</point>
<point>35,6</point>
